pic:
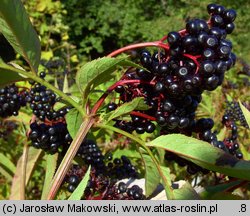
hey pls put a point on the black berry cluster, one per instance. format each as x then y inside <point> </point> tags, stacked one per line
<point>11,100</point>
<point>58,69</point>
<point>74,176</point>
<point>130,193</point>
<point>52,64</point>
<point>6,128</point>
<point>117,168</point>
<point>121,168</point>
<point>234,112</point>
<point>92,155</point>
<point>108,189</point>
<point>102,166</point>
<point>195,60</point>
<point>49,137</point>
<point>230,144</point>
<point>42,102</point>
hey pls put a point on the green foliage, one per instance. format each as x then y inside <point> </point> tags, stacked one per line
<point>98,27</point>
<point>51,165</point>
<point>126,108</point>
<point>17,29</point>
<point>74,121</point>
<point>8,75</point>
<point>203,154</point>
<point>77,194</point>
<point>152,176</point>
<point>246,113</point>
<point>98,71</point>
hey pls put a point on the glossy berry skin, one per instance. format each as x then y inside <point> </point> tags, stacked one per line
<point>183,123</point>
<point>71,188</point>
<point>112,106</point>
<point>173,38</point>
<point>42,74</point>
<point>219,10</point>
<point>161,120</point>
<point>163,68</point>
<point>146,60</point>
<point>159,87</point>
<point>229,28</point>
<point>217,20</point>
<point>212,82</point>
<point>140,130</point>
<point>122,187</point>
<point>208,54</point>
<point>73,180</point>
<point>229,15</point>
<point>211,41</point>
<point>207,68</point>
<point>211,8</point>
<point>119,89</point>
<point>150,127</point>
<point>182,72</point>
<point>46,137</point>
<point>168,106</point>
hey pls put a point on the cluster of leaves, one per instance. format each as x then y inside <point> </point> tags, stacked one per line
<point>84,119</point>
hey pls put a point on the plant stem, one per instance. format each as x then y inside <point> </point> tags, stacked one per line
<point>133,46</point>
<point>23,170</point>
<point>143,115</point>
<point>111,88</point>
<point>48,85</point>
<point>168,189</point>
<point>69,156</point>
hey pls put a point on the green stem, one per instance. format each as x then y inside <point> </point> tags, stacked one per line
<point>23,171</point>
<point>168,189</point>
<point>69,156</point>
<point>34,77</point>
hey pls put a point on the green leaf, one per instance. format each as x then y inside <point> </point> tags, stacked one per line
<point>5,173</point>
<point>18,30</point>
<point>246,113</point>
<point>7,75</point>
<point>6,163</point>
<point>130,152</point>
<point>98,71</point>
<point>33,156</point>
<point>74,120</point>
<point>136,104</point>
<point>152,176</point>
<point>51,165</point>
<point>66,84</point>
<point>186,192</point>
<point>210,191</point>
<point>203,154</point>
<point>78,192</point>
<point>222,133</point>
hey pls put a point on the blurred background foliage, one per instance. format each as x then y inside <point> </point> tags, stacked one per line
<point>95,28</point>
<point>78,31</point>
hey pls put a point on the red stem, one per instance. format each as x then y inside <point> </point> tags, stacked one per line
<point>143,115</point>
<point>139,45</point>
<point>111,88</point>
<point>156,44</point>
